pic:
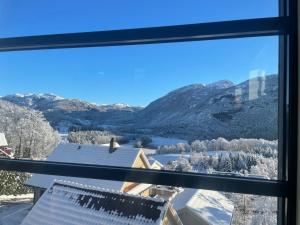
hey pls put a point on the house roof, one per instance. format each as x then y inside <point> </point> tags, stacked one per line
<point>212,206</point>
<point>3,141</point>
<point>155,164</point>
<point>69,203</point>
<point>87,154</point>
<point>139,188</point>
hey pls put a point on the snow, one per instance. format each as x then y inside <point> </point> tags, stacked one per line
<point>149,151</point>
<point>157,141</point>
<point>39,95</point>
<point>139,188</point>
<point>67,203</point>
<point>63,138</point>
<point>3,141</point>
<point>13,209</point>
<point>15,197</point>
<point>212,206</point>
<point>165,158</point>
<point>220,84</point>
<point>87,154</point>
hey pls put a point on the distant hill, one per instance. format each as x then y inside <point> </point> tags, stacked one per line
<point>198,111</point>
<point>63,113</point>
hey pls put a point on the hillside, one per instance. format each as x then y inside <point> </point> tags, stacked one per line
<point>26,131</point>
<point>221,109</point>
<point>197,111</point>
<point>63,113</point>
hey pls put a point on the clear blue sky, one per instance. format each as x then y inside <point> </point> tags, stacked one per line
<point>130,74</point>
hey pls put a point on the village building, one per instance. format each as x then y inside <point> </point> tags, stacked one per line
<point>191,206</point>
<point>123,156</point>
<point>203,207</point>
<point>156,165</point>
<point>5,151</point>
<point>67,203</point>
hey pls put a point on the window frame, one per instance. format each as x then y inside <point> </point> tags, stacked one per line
<point>285,26</point>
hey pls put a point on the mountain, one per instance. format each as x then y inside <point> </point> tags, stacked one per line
<point>221,109</point>
<point>63,113</point>
<point>197,111</point>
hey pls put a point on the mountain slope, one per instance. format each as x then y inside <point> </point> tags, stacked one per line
<point>64,113</point>
<point>222,109</point>
<point>198,111</point>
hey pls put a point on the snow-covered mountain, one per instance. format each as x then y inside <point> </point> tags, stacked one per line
<point>221,109</point>
<point>197,111</point>
<point>63,113</point>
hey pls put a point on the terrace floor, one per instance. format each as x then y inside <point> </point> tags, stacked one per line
<point>14,209</point>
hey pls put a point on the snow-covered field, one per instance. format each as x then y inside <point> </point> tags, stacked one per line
<point>157,141</point>
<point>165,158</point>
<point>13,209</point>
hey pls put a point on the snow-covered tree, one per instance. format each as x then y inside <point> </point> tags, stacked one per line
<point>27,131</point>
<point>30,136</point>
<point>198,146</point>
<point>225,164</point>
<point>183,165</point>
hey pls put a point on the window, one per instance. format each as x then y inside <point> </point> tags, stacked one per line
<point>235,139</point>
<point>19,19</point>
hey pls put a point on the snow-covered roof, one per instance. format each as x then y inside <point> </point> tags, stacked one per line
<point>211,206</point>
<point>67,203</point>
<point>3,141</point>
<point>139,189</point>
<point>87,154</point>
<point>156,165</point>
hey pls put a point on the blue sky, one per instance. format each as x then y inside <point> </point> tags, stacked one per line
<point>130,74</point>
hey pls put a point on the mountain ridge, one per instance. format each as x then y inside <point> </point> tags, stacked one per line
<point>203,111</point>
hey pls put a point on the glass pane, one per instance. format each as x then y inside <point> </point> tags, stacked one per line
<point>21,18</point>
<point>205,107</point>
<point>65,202</point>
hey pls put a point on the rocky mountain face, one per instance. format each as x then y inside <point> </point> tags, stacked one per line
<point>221,109</point>
<point>65,113</point>
<point>198,111</point>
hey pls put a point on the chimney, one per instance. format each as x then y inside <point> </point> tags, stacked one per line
<point>113,145</point>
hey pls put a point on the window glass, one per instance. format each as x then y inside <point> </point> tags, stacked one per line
<point>204,107</point>
<point>64,202</point>
<point>21,18</point>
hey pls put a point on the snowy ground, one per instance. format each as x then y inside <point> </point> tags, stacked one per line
<point>63,137</point>
<point>157,141</point>
<point>165,158</point>
<point>13,209</point>
<point>149,151</point>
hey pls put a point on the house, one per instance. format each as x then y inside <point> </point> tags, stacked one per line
<point>203,207</point>
<point>71,203</point>
<point>194,206</point>
<point>3,142</point>
<point>5,151</point>
<point>156,165</point>
<point>124,156</point>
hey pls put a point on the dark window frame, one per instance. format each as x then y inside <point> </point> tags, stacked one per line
<point>285,26</point>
